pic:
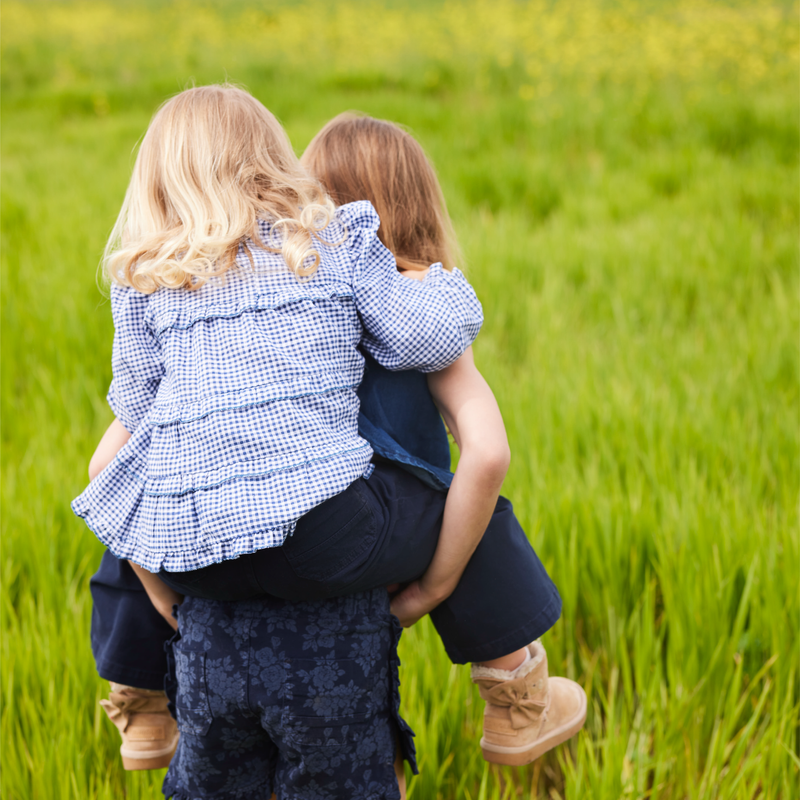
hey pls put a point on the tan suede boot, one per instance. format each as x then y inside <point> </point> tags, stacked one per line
<point>527,713</point>
<point>149,733</point>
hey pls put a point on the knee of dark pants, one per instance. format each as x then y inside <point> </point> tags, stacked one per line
<point>504,523</point>
<point>503,506</point>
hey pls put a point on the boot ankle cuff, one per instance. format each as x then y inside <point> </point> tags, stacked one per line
<point>121,688</point>
<point>479,673</point>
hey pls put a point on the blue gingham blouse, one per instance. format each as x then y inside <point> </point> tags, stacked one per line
<point>240,396</point>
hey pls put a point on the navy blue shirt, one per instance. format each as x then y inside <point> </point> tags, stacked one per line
<point>399,418</point>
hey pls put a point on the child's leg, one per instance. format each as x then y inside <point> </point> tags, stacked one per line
<point>400,771</point>
<point>223,751</point>
<point>337,548</point>
<point>509,662</point>
<point>128,638</point>
<point>350,708</point>
<point>295,698</point>
<point>383,531</point>
<point>504,600</point>
<point>505,587</point>
<point>128,634</point>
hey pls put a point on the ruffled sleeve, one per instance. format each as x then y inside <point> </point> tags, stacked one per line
<point>423,325</point>
<point>136,359</point>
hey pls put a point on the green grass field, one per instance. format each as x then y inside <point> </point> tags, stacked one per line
<point>624,179</point>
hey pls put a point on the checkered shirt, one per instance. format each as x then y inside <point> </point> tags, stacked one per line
<point>240,396</point>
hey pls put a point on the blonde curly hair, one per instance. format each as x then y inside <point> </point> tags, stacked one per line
<point>212,163</point>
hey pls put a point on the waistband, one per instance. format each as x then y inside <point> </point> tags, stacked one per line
<point>373,603</point>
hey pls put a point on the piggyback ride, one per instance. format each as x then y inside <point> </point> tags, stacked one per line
<point>504,600</point>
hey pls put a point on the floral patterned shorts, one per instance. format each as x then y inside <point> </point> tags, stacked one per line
<point>301,699</point>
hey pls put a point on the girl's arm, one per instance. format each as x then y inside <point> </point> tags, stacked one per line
<point>470,410</point>
<point>111,443</point>
<point>406,324</point>
<point>161,596</point>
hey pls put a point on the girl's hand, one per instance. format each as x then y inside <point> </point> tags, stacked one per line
<point>414,602</point>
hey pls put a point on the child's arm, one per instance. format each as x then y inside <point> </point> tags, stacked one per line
<point>471,413</point>
<point>113,439</point>
<point>161,596</point>
<point>406,324</point>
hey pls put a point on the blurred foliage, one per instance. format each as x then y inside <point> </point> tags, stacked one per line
<point>529,47</point>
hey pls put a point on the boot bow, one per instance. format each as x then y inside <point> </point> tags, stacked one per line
<point>523,707</point>
<point>120,707</point>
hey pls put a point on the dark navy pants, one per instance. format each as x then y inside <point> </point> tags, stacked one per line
<point>297,698</point>
<point>380,531</point>
<point>128,634</point>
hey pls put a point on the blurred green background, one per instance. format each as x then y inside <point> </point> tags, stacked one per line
<point>624,180</point>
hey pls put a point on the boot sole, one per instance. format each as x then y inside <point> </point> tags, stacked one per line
<point>159,760</point>
<point>519,756</point>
